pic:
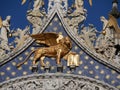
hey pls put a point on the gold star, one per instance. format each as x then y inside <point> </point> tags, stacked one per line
<point>91,62</point>
<point>2,73</point>
<point>32,48</point>
<point>81,52</point>
<point>13,73</point>
<point>60,24</point>
<point>118,77</point>
<point>102,72</point>
<point>112,82</point>
<point>51,24</point>
<point>55,28</point>
<point>76,47</point>
<point>20,58</point>
<point>31,58</point>
<point>20,68</point>
<point>79,72</point>
<point>8,69</point>
<point>24,73</point>
<point>113,72</point>
<point>86,57</point>
<point>26,63</point>
<point>96,77</point>
<point>7,78</point>
<point>96,67</point>
<point>81,62</point>
<point>91,72</point>
<point>85,67</point>
<point>26,53</point>
<point>14,63</point>
<point>55,19</point>
<point>107,77</point>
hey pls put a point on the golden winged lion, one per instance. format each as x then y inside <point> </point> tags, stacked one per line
<point>57,47</point>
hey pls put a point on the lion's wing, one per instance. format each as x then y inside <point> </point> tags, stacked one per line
<point>48,39</point>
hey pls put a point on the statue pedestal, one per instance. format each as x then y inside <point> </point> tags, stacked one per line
<point>72,68</point>
<point>47,68</point>
<point>60,68</point>
<point>34,68</point>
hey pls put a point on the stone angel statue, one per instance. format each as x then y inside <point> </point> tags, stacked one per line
<point>5,32</point>
<point>56,46</point>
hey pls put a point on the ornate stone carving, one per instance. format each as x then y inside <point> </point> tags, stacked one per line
<point>105,47</point>
<point>88,36</point>
<point>36,16</point>
<point>62,5</point>
<point>54,82</point>
<point>21,36</point>
<point>77,16</point>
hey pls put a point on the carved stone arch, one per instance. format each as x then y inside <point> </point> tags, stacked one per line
<point>54,82</point>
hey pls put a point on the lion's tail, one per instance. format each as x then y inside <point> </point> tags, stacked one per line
<point>21,63</point>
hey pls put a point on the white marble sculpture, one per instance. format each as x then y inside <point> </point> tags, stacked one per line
<point>35,16</point>
<point>4,33</point>
<point>77,16</point>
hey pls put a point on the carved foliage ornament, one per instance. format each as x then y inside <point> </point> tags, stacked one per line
<point>55,82</point>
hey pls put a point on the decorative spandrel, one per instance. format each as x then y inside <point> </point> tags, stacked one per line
<point>96,51</point>
<point>88,65</point>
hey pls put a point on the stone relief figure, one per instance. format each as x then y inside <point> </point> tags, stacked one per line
<point>2,53</point>
<point>22,35</point>
<point>105,42</point>
<point>4,33</point>
<point>117,58</point>
<point>106,48</point>
<point>88,35</point>
<point>36,16</point>
<point>77,16</point>
<point>111,28</point>
<point>106,30</point>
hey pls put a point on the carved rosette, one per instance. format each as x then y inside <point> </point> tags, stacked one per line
<point>54,82</point>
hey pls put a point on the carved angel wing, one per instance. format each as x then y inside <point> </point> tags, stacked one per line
<point>0,22</point>
<point>113,22</point>
<point>48,39</point>
<point>23,2</point>
<point>90,2</point>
